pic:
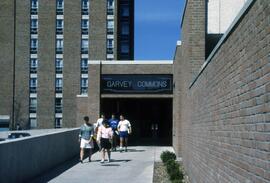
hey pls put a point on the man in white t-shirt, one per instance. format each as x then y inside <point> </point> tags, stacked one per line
<point>99,122</point>
<point>124,128</point>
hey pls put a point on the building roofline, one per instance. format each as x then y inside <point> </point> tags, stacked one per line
<point>135,62</point>
<point>223,39</point>
<point>185,7</point>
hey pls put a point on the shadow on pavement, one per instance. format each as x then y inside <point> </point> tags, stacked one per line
<point>135,150</point>
<point>52,173</point>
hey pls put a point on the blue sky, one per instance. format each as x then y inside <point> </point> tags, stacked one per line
<point>157,28</point>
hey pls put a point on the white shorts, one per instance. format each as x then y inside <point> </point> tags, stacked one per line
<point>86,144</point>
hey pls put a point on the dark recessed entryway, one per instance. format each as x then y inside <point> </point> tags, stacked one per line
<point>151,119</point>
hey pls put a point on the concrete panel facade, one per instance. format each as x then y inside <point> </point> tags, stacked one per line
<point>6,56</point>
<point>46,68</point>
<point>36,154</point>
<point>72,61</point>
<point>98,29</point>
<point>22,64</point>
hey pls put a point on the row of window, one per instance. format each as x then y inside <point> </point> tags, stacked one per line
<point>110,29</point>
<point>33,82</point>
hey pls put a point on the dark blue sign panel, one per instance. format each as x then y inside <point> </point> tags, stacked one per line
<point>134,84</point>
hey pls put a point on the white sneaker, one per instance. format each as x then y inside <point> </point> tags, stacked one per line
<point>102,161</point>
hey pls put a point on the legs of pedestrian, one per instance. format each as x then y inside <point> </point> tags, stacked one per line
<point>81,155</point>
<point>109,155</point>
<point>103,155</point>
<point>126,143</point>
<point>121,144</point>
<point>90,154</point>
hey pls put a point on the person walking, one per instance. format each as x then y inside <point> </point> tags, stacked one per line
<point>86,138</point>
<point>124,128</point>
<point>104,136</point>
<point>113,122</point>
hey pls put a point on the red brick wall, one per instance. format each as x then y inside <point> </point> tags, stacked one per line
<point>225,115</point>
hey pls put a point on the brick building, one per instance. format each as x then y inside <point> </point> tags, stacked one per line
<point>45,48</point>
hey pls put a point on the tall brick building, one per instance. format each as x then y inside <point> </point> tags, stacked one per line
<point>45,48</point>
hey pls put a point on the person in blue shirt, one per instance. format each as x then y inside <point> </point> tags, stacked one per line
<point>113,122</point>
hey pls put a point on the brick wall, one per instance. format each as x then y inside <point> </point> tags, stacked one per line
<point>225,115</point>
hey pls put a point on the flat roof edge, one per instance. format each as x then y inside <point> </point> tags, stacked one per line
<point>138,62</point>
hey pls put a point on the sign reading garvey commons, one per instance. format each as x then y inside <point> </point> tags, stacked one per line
<point>136,83</point>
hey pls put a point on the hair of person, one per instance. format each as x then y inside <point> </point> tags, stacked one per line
<point>105,123</point>
<point>86,118</point>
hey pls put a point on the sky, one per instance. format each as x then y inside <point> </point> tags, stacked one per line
<point>157,28</point>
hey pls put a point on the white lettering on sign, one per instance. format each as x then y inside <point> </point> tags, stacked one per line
<point>152,84</point>
<point>119,84</point>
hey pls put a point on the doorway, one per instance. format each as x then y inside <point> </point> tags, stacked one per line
<point>151,118</point>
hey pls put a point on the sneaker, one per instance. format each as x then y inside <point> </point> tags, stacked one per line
<point>81,161</point>
<point>126,150</point>
<point>102,161</point>
<point>89,160</point>
<point>109,160</point>
<point>120,149</point>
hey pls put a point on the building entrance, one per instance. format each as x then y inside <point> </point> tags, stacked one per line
<point>151,119</point>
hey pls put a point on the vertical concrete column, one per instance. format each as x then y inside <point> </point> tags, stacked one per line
<point>22,57</point>
<point>94,73</point>
<point>71,69</point>
<point>46,68</point>
<point>98,29</point>
<point>7,56</point>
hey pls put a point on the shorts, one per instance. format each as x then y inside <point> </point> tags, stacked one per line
<point>86,144</point>
<point>105,143</point>
<point>123,134</point>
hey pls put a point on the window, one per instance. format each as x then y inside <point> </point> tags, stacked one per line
<point>124,47</point>
<point>110,7</point>
<point>33,85</point>
<point>125,28</point>
<point>58,105</point>
<point>59,45</point>
<point>59,7</point>
<point>110,46</point>
<point>33,122</point>
<point>84,66</point>
<point>85,7</point>
<point>59,26</point>
<point>34,46</point>
<point>34,26</point>
<point>84,45</point>
<point>34,7</point>
<point>58,122</point>
<point>33,105</point>
<point>59,65</point>
<point>84,85</point>
<point>110,26</point>
<point>58,85</point>
<point>33,65</point>
<point>85,24</point>
<point>124,10</point>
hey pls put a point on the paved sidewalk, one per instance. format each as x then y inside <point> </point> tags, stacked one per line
<point>134,166</point>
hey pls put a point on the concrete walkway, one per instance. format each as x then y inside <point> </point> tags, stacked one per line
<point>134,166</point>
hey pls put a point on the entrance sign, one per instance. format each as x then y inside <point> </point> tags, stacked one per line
<point>136,83</point>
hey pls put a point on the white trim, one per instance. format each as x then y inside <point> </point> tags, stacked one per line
<point>33,56</point>
<point>33,115</point>
<point>110,36</point>
<point>7,117</point>
<point>60,17</point>
<point>58,115</point>
<point>34,16</point>
<point>85,56</point>
<point>110,17</point>
<point>135,62</point>
<point>83,95</point>
<point>59,56</point>
<point>59,36</point>
<point>59,75</point>
<point>179,43</point>
<point>85,17</point>
<point>84,75</point>
<point>59,95</point>
<point>34,36</point>
<point>33,95</point>
<point>85,36</point>
<point>33,75</point>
